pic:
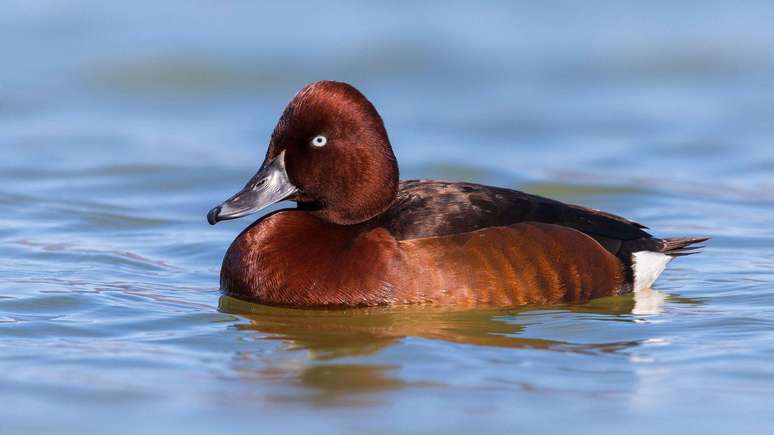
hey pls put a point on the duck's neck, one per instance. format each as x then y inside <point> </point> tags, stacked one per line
<point>377,189</point>
<point>295,258</point>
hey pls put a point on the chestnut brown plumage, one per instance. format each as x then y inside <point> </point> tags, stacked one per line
<point>362,238</point>
<point>296,259</point>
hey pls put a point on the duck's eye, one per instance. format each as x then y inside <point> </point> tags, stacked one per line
<point>319,141</point>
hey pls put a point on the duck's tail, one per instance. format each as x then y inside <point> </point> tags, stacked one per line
<point>649,264</point>
<point>681,246</point>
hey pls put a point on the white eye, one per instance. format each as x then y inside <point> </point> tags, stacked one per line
<point>319,141</point>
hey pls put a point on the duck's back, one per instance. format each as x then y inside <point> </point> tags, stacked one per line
<point>428,208</point>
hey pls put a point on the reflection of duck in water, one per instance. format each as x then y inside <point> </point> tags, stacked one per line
<point>362,238</point>
<point>329,375</point>
<point>340,333</point>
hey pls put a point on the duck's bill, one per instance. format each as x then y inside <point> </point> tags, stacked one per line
<point>268,186</point>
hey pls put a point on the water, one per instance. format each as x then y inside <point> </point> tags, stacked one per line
<point>122,123</point>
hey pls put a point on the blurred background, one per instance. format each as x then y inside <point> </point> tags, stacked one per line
<point>122,123</point>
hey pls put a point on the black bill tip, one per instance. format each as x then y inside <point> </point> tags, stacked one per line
<point>212,216</point>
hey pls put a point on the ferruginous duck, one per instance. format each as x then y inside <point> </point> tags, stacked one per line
<point>361,237</point>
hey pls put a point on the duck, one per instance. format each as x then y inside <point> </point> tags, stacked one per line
<point>361,237</point>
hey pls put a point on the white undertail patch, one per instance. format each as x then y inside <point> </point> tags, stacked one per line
<point>647,267</point>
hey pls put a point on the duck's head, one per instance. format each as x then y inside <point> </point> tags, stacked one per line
<point>330,153</point>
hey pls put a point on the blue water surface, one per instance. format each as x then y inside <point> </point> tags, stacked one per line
<point>122,123</point>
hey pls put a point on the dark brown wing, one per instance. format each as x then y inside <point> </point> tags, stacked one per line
<point>426,208</point>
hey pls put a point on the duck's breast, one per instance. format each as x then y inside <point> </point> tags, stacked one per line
<point>293,258</point>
